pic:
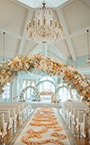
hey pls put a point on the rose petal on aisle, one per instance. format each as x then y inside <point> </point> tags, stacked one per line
<point>44,127</point>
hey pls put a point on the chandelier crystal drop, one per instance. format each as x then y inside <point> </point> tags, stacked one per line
<point>44,26</point>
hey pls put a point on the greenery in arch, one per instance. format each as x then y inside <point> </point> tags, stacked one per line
<point>36,93</point>
<point>69,74</point>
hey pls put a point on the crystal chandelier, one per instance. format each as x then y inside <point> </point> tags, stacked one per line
<point>44,26</point>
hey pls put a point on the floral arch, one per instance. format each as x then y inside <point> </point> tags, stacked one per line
<point>10,69</point>
<point>25,89</point>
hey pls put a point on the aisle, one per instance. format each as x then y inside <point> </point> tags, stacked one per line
<point>45,127</point>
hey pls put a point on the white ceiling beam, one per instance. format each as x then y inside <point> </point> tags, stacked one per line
<point>39,49</point>
<point>65,29</point>
<point>60,55</point>
<point>79,32</point>
<point>36,49</point>
<point>19,3</point>
<point>55,57</point>
<point>66,3</point>
<point>23,40</point>
<point>45,48</point>
<point>11,34</point>
<point>17,36</point>
<point>84,70</point>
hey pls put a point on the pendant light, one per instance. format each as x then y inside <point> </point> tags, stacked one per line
<point>88,60</point>
<point>3,47</point>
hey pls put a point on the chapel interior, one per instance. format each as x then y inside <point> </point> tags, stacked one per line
<point>44,72</point>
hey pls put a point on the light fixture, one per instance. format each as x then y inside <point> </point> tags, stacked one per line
<point>44,26</point>
<point>3,47</point>
<point>88,60</point>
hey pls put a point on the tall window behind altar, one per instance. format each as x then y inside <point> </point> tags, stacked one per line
<point>6,94</point>
<point>29,92</point>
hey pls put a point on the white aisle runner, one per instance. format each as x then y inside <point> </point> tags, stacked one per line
<point>42,133</point>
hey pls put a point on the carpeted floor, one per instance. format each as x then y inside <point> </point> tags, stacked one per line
<point>45,134</point>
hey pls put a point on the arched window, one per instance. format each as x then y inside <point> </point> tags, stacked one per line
<point>46,85</point>
<point>29,91</point>
<point>6,94</point>
<point>64,93</point>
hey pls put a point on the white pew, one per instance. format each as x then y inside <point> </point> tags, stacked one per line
<point>13,114</point>
<point>10,106</point>
<point>70,112</point>
<point>23,109</point>
<point>81,122</point>
<point>3,125</point>
<point>7,118</point>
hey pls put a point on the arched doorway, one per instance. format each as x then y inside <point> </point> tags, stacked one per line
<point>46,89</point>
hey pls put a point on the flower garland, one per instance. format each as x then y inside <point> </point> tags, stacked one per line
<point>10,69</point>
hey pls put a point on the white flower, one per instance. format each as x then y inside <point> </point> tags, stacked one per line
<point>84,84</point>
<point>3,71</point>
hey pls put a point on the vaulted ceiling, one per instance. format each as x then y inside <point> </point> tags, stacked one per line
<point>72,48</point>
